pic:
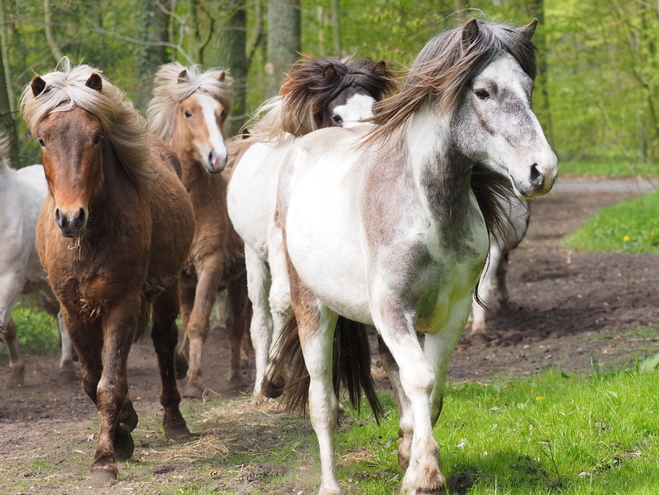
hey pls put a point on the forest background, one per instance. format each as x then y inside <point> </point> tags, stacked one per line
<point>597,94</point>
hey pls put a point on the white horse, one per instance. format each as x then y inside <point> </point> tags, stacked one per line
<point>390,228</point>
<point>317,93</point>
<point>21,194</point>
<point>492,286</point>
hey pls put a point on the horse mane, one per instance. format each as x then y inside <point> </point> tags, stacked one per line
<point>309,87</point>
<point>169,90</point>
<point>439,77</point>
<point>124,128</point>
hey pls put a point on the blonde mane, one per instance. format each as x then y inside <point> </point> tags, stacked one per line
<point>124,128</point>
<point>170,90</point>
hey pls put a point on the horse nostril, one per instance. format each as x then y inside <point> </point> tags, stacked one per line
<point>61,220</point>
<point>81,217</point>
<point>537,179</point>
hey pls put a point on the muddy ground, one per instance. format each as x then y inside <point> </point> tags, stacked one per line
<point>572,310</point>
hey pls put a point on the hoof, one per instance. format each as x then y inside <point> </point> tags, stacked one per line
<point>177,433</point>
<point>67,375</point>
<point>192,392</point>
<point>180,366</point>
<point>272,390</point>
<point>103,476</point>
<point>479,339</point>
<point>131,419</point>
<point>236,382</point>
<point>123,444</point>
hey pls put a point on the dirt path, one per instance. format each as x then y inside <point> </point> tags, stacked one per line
<point>566,309</point>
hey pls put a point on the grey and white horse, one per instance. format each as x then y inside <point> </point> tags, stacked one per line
<point>390,228</point>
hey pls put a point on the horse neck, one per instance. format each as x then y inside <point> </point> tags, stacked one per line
<point>441,174</point>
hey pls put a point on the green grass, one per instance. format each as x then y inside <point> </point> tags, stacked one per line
<point>37,330</point>
<point>608,167</point>
<point>629,226</point>
<point>553,433</point>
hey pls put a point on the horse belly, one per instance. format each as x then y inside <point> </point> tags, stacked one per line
<point>252,194</point>
<point>322,236</point>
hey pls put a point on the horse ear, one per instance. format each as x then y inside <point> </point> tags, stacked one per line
<point>183,76</point>
<point>379,69</point>
<point>244,133</point>
<point>95,82</point>
<point>220,77</point>
<point>529,29</point>
<point>329,71</point>
<point>38,85</point>
<point>469,32</point>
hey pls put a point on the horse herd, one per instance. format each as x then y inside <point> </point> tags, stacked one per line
<point>350,208</point>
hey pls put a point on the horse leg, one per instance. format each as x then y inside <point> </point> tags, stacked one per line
<point>164,335</point>
<point>16,363</point>
<point>258,286</point>
<point>198,328</point>
<point>486,288</point>
<point>417,378</point>
<point>114,438</point>
<point>316,324</point>
<point>237,326</point>
<point>405,422</point>
<point>501,288</point>
<point>66,372</point>
<point>280,301</point>
<point>187,293</point>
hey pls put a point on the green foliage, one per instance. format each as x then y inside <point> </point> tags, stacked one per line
<point>630,226</point>
<point>608,167</point>
<point>37,331</point>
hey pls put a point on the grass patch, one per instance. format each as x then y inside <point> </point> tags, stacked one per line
<point>630,226</point>
<point>37,330</point>
<point>608,167</point>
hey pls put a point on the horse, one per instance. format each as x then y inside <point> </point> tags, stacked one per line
<point>22,193</point>
<point>492,286</point>
<point>318,92</point>
<point>389,226</point>
<point>188,111</point>
<point>112,234</point>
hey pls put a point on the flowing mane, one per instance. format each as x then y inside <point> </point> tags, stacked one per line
<point>122,125</point>
<point>444,68</point>
<point>170,89</point>
<point>309,87</point>
<point>439,77</point>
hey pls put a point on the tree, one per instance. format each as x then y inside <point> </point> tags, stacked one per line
<point>153,18</point>
<point>284,29</point>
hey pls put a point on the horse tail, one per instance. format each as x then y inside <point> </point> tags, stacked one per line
<point>351,367</point>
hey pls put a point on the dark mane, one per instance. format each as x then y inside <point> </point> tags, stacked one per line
<point>313,82</point>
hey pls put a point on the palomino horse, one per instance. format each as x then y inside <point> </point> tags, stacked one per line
<point>492,286</point>
<point>391,228</point>
<point>112,234</point>
<point>22,193</point>
<point>188,111</point>
<point>317,93</point>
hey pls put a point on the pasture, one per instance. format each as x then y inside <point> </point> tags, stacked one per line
<point>535,410</point>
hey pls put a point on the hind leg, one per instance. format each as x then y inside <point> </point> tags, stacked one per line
<point>486,292</point>
<point>16,363</point>
<point>238,319</point>
<point>164,335</point>
<point>501,290</point>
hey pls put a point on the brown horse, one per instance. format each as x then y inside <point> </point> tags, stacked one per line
<point>112,234</point>
<point>188,111</point>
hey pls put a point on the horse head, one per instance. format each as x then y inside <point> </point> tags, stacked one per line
<point>201,119</point>
<point>71,147</point>
<point>495,124</point>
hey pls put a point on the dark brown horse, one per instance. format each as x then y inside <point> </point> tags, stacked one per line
<point>112,234</point>
<point>188,111</point>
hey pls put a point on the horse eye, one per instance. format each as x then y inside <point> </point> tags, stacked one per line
<point>42,143</point>
<point>97,139</point>
<point>482,94</point>
<point>188,114</point>
<point>337,119</point>
<point>223,114</point>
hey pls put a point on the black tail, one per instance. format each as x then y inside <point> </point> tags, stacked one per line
<point>351,366</point>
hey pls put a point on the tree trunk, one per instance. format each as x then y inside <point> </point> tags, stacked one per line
<point>336,28</point>
<point>7,123</point>
<point>227,49</point>
<point>154,32</point>
<point>48,26</point>
<point>283,41</point>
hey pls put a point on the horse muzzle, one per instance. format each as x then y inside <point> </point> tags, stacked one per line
<point>71,224</point>
<point>217,161</point>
